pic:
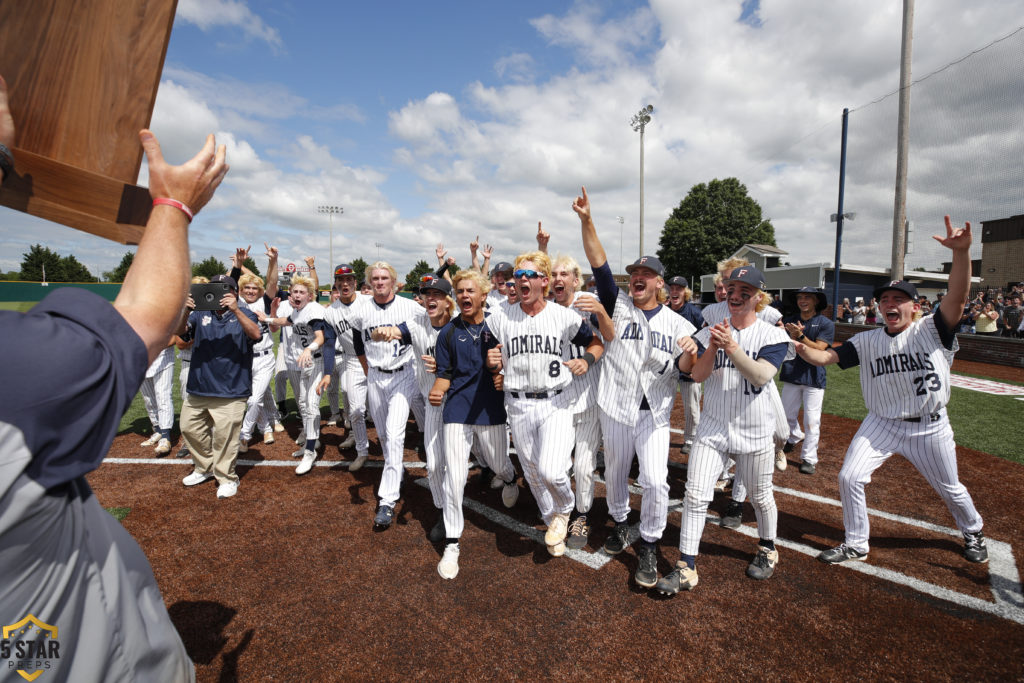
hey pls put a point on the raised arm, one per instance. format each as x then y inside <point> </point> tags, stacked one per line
<point>542,239</point>
<point>959,241</point>
<point>155,286</point>
<point>271,286</point>
<point>591,244</point>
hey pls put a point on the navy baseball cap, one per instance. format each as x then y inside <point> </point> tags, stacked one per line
<point>344,269</point>
<point>227,279</point>
<point>651,262</point>
<point>434,282</point>
<point>900,286</point>
<point>678,280</point>
<point>502,267</point>
<point>820,305</point>
<point>748,274</point>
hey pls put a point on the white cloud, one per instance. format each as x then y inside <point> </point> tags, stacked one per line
<point>210,14</point>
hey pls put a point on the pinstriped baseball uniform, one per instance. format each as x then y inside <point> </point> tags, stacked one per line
<point>423,342</point>
<point>635,393</point>
<point>352,379</point>
<point>533,349</point>
<point>156,391</point>
<point>803,383</point>
<point>295,338</point>
<point>738,420</point>
<point>906,386</point>
<point>391,382</point>
<point>585,420</point>
<point>263,362</point>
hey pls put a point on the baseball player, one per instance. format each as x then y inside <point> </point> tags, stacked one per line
<point>803,383</point>
<point>501,274</point>
<point>737,357</point>
<point>473,409</point>
<point>635,394</point>
<point>309,361</point>
<point>352,378</point>
<point>391,380</point>
<point>156,396</point>
<point>258,300</point>
<point>679,300</point>
<point>566,282</point>
<point>904,376</point>
<point>532,337</point>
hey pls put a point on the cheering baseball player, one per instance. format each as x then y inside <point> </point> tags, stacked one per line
<point>635,394</point>
<point>532,337</point>
<point>736,358</point>
<point>904,376</point>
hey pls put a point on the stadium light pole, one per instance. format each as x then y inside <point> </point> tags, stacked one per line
<point>899,214</point>
<point>639,122</point>
<point>621,222</point>
<point>330,211</point>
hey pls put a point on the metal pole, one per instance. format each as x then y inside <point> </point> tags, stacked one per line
<point>839,217</point>
<point>330,211</point>
<point>642,125</point>
<point>902,145</point>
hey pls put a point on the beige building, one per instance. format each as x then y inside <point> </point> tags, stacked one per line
<point>1002,251</point>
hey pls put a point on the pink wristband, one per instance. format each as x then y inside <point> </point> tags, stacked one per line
<point>176,204</point>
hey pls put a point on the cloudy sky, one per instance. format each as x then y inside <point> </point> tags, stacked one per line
<point>437,122</point>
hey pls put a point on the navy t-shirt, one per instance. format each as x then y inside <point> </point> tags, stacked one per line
<point>461,356</point>
<point>799,371</point>
<point>222,355</point>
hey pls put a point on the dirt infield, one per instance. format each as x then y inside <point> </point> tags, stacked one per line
<point>288,581</point>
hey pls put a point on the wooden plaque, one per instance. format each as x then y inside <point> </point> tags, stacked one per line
<point>82,77</point>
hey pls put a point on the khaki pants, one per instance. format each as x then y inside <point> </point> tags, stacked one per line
<point>210,427</point>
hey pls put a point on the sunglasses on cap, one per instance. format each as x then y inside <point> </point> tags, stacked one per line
<point>529,274</point>
<point>427,278</point>
<point>344,270</point>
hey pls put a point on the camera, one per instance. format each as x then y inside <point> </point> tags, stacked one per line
<point>208,296</point>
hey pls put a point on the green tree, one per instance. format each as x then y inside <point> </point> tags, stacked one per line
<point>75,271</point>
<point>38,258</point>
<point>209,268</point>
<point>11,275</point>
<point>710,224</point>
<point>119,272</point>
<point>359,265</point>
<point>251,265</point>
<point>412,280</point>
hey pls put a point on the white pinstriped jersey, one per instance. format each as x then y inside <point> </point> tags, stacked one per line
<point>906,375</point>
<point>266,342</point>
<point>717,312</point>
<point>300,334</point>
<point>163,360</point>
<point>424,339</point>
<point>533,347</point>
<point>366,315</point>
<point>738,417</point>
<point>583,388</point>
<point>641,362</point>
<point>339,315</point>
<point>494,299</point>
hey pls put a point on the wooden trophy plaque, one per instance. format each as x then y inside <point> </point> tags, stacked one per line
<point>82,77</point>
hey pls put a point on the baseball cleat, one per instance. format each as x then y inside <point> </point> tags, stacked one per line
<point>763,565</point>
<point>788,448</point>
<point>382,520</point>
<point>723,484</point>
<point>348,442</point>
<point>243,444</point>
<point>509,494</point>
<point>227,489</point>
<point>268,437</point>
<point>301,438</point>
<point>557,550</point>
<point>448,567</point>
<point>437,533</point>
<point>308,458</point>
<point>164,447</point>
<point>183,452</point>
<point>579,530</point>
<point>332,421</point>
<point>975,549</point>
<point>557,529</point>
<point>681,578</point>
<point>807,467</point>
<point>197,478</point>
<point>780,459</point>
<point>841,553</point>
<point>278,427</point>
<point>622,536</point>
<point>358,462</point>
<point>646,574</point>
<point>299,453</point>
<point>497,483</point>
<point>733,517</point>
<point>151,441</point>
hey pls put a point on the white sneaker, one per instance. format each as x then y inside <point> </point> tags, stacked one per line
<point>448,567</point>
<point>557,550</point>
<point>348,442</point>
<point>780,460</point>
<point>301,438</point>
<point>308,458</point>
<point>227,489</point>
<point>243,444</point>
<point>497,482</point>
<point>509,494</point>
<point>268,437</point>
<point>557,529</point>
<point>278,427</point>
<point>348,424</point>
<point>358,462</point>
<point>164,447</point>
<point>151,441</point>
<point>197,477</point>
<point>332,421</point>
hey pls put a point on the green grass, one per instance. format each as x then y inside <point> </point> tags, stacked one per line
<point>119,513</point>
<point>980,421</point>
<point>20,306</point>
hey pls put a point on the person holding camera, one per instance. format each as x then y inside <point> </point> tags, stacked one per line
<point>219,384</point>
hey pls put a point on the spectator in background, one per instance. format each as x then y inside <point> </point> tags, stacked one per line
<point>860,312</point>
<point>872,316</point>
<point>844,312</point>
<point>1012,317</point>
<point>65,559</point>
<point>985,323</point>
